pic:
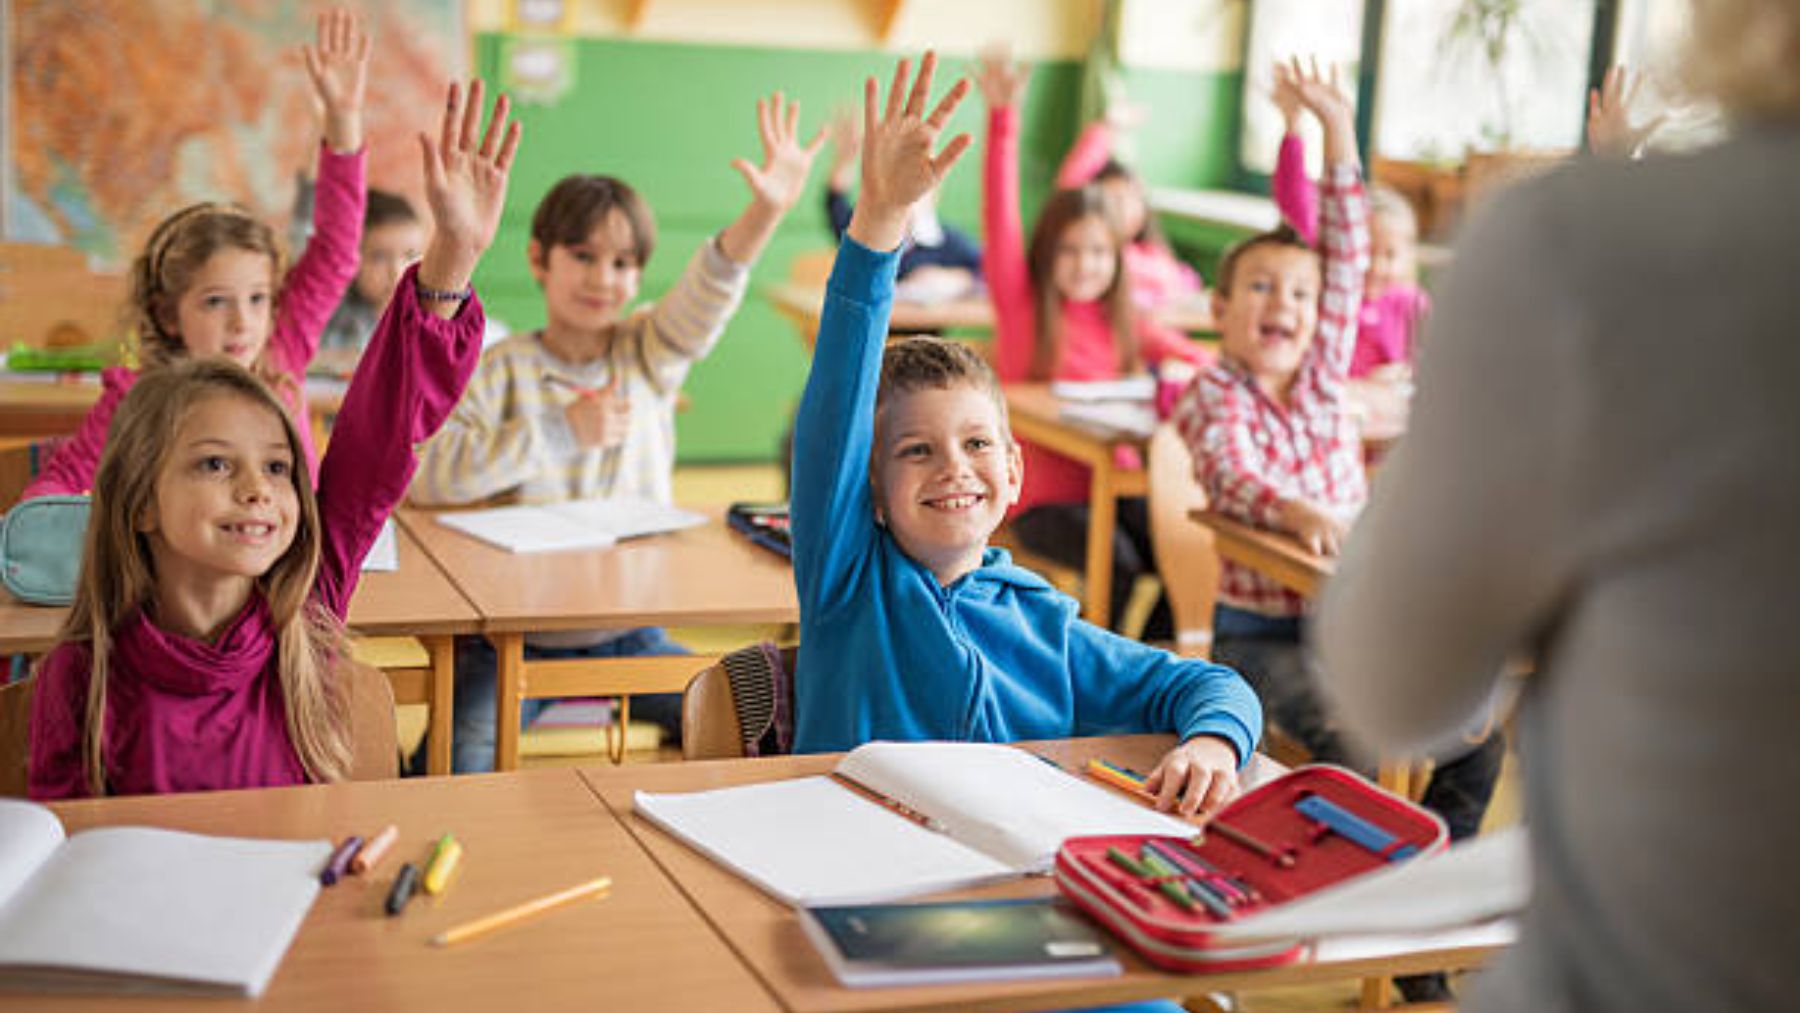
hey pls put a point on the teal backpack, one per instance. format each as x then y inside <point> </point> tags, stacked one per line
<point>40,548</point>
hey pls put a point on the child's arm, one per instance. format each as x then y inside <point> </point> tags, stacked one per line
<point>1002,84</point>
<point>338,68</point>
<point>56,768</point>
<point>776,184</point>
<point>1343,228</point>
<point>423,350</point>
<point>686,323</point>
<point>70,471</point>
<point>1123,685</point>
<point>833,522</point>
<point>1295,195</point>
<point>1609,129</point>
<point>1086,157</point>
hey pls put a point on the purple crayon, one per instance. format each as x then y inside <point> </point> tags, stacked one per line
<point>339,864</point>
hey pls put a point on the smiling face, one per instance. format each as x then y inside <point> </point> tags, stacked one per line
<point>587,285</point>
<point>1268,317</point>
<point>945,472</point>
<point>1086,259</point>
<point>226,506</point>
<point>227,309</point>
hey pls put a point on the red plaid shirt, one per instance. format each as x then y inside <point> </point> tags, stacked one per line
<point>1251,453</point>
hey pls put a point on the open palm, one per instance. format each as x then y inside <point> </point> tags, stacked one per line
<point>465,170</point>
<point>786,164</point>
<point>338,63</point>
<point>898,167</point>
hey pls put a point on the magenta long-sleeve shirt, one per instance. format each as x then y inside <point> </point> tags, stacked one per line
<point>309,295</point>
<point>1088,348</point>
<point>1387,321</point>
<point>189,715</point>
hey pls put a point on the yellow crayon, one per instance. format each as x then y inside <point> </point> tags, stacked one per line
<point>443,863</point>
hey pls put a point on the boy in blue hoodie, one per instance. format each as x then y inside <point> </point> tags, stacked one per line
<point>904,464</point>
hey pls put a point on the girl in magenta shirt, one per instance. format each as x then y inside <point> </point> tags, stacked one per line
<point>203,647</point>
<point>205,284</point>
<point>1063,311</point>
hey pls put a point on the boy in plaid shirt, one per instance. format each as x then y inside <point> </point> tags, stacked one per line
<point>1273,445</point>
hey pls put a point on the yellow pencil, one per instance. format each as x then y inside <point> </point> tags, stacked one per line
<point>500,919</point>
<point>443,863</point>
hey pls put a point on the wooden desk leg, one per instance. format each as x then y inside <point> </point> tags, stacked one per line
<point>1096,605</point>
<point>442,717</point>
<point>509,690</point>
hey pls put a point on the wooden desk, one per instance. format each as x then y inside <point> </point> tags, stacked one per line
<point>703,576</point>
<point>525,834</point>
<point>802,305</point>
<point>1036,416</point>
<point>416,600</point>
<point>40,407</point>
<point>1273,554</point>
<point>767,936</point>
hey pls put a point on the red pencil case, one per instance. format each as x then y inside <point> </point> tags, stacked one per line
<point>1310,828</point>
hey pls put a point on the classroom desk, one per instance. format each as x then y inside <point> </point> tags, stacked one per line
<point>1273,554</point>
<point>416,600</point>
<point>525,834</point>
<point>802,305</point>
<point>1036,416</point>
<point>703,576</point>
<point>34,405</point>
<point>767,936</point>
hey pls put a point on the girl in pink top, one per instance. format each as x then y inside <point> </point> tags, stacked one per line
<point>1062,312</point>
<point>202,649</point>
<point>1393,306</point>
<point>1156,275</point>
<point>205,284</point>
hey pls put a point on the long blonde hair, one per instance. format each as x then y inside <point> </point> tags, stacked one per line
<point>118,578</point>
<point>1064,208</point>
<point>175,252</point>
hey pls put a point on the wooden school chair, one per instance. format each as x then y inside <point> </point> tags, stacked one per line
<point>15,736</point>
<point>743,705</point>
<point>1185,555</point>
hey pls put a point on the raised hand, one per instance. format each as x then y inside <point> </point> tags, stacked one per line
<point>338,66</point>
<point>1001,78</point>
<point>778,181</point>
<point>898,167</point>
<point>465,185</point>
<point>1609,129</point>
<point>1285,93</point>
<point>1321,94</point>
<point>843,132</point>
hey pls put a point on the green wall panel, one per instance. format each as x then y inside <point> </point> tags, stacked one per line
<point>669,118</point>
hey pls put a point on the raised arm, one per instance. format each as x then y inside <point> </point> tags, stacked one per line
<point>425,347</point>
<point>1343,226</point>
<point>1296,197</point>
<point>833,519</point>
<point>337,67</point>
<point>1002,83</point>
<point>1609,127</point>
<point>775,184</point>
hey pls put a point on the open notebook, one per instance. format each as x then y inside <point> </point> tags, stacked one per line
<point>579,524</point>
<point>133,909</point>
<point>993,811</point>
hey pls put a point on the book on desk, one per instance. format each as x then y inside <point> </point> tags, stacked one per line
<point>899,819</point>
<point>577,524</point>
<point>135,909</point>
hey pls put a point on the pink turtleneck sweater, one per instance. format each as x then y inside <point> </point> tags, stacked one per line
<point>191,715</point>
<point>309,295</point>
<point>1088,351</point>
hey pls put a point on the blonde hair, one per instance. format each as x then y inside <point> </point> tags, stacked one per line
<point>176,251</point>
<point>1390,204</point>
<point>118,577</point>
<point>1063,209</point>
<point>1746,54</point>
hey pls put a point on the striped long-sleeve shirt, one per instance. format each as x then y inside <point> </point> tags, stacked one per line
<point>509,441</point>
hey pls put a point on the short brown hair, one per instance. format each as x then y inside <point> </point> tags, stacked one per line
<point>385,208</point>
<point>1282,235</point>
<point>577,204</point>
<point>927,363</point>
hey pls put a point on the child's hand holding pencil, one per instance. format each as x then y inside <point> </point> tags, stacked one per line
<point>598,419</point>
